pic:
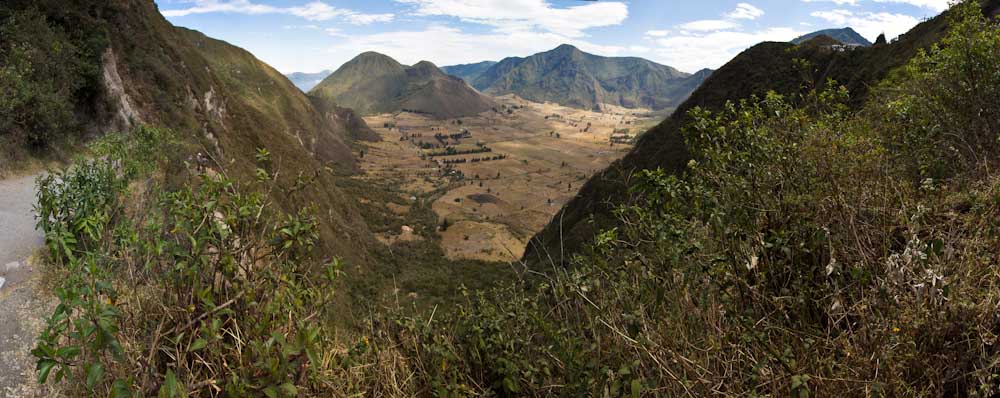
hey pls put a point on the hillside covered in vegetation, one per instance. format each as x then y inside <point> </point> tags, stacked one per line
<point>811,223</point>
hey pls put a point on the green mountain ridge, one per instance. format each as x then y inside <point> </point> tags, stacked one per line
<point>373,83</point>
<point>568,76</point>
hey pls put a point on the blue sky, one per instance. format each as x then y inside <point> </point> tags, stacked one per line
<point>312,35</point>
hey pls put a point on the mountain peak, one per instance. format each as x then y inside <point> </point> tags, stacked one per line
<point>844,35</point>
<point>568,76</point>
<point>566,48</point>
<point>425,65</point>
<point>373,83</point>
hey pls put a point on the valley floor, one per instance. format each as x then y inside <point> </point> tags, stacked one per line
<point>538,157</point>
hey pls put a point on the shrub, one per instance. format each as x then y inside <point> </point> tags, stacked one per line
<point>202,291</point>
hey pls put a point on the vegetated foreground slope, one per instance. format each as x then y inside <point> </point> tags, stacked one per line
<point>571,77</point>
<point>808,248</point>
<point>762,68</point>
<point>226,103</point>
<point>843,35</point>
<point>373,83</point>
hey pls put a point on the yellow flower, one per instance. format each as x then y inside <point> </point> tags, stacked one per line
<point>895,329</point>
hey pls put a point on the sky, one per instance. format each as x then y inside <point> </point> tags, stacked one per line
<point>313,35</point>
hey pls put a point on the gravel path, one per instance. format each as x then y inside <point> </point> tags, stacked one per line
<point>23,307</point>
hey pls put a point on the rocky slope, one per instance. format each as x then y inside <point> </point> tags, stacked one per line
<point>373,83</point>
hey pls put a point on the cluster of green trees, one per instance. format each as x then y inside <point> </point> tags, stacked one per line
<point>47,74</point>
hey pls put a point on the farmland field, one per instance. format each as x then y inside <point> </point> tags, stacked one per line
<point>495,179</point>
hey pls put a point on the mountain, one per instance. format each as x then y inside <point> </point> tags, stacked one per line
<point>374,83</point>
<point>759,69</point>
<point>306,81</point>
<point>220,99</point>
<point>468,72</point>
<point>845,35</point>
<point>572,77</point>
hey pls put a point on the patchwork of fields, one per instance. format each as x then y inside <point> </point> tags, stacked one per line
<point>497,178</point>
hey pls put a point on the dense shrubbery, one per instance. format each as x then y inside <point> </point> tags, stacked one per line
<point>44,75</point>
<point>203,290</point>
<point>807,250</point>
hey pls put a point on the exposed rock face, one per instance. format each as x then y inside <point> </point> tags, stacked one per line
<point>125,114</point>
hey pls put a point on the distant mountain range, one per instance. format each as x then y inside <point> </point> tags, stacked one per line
<point>572,77</point>
<point>468,72</point>
<point>844,35</point>
<point>306,81</point>
<point>374,83</point>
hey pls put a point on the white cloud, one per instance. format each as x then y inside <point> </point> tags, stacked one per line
<point>521,15</point>
<point>314,11</point>
<point>837,2</point>
<point>445,45</point>
<point>935,5</point>
<point>691,52</point>
<point>836,17</point>
<point>710,43</point>
<point>707,25</point>
<point>870,24</point>
<point>745,11</point>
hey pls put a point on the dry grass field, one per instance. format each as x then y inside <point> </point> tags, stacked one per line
<point>524,161</point>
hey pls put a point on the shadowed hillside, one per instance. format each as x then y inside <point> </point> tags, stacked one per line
<point>762,68</point>
<point>373,83</point>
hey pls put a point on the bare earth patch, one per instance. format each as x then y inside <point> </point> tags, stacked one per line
<point>23,308</point>
<point>481,241</point>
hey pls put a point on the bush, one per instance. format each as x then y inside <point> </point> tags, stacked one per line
<point>44,75</point>
<point>793,257</point>
<point>201,291</point>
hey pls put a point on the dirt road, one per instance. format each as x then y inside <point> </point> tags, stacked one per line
<point>23,307</point>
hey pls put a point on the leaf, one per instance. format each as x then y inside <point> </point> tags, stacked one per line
<point>636,388</point>
<point>95,372</point>
<point>44,367</point>
<point>289,389</point>
<point>119,389</point>
<point>171,388</point>
<point>197,345</point>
